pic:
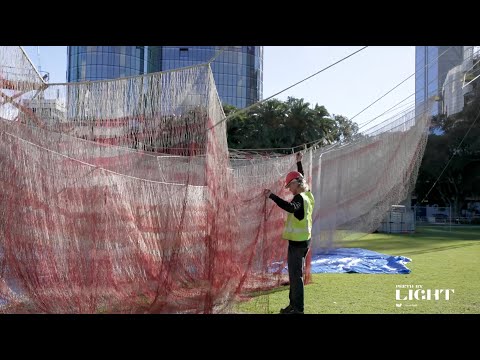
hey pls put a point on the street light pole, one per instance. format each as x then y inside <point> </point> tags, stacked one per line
<point>38,58</point>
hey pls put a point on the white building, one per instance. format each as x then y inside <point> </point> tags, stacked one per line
<point>47,111</point>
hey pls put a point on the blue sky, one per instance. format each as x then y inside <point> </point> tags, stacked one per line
<point>344,89</point>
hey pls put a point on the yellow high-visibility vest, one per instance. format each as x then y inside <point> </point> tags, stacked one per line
<point>300,230</point>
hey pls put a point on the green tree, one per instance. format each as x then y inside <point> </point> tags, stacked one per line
<point>345,130</point>
<point>461,176</point>
<point>285,124</point>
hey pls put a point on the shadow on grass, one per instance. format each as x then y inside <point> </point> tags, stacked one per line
<point>440,248</point>
<point>424,240</point>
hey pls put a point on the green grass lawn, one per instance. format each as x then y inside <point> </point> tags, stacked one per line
<point>441,259</point>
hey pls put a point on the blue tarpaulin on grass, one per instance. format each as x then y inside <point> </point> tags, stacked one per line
<point>355,260</point>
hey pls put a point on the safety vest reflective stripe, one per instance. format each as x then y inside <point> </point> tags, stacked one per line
<point>295,230</point>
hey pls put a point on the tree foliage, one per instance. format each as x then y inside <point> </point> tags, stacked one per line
<point>286,124</point>
<point>459,142</point>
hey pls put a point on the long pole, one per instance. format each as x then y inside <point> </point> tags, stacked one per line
<point>450,215</point>
<point>38,58</point>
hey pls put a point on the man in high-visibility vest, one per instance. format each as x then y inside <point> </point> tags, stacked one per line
<point>298,232</point>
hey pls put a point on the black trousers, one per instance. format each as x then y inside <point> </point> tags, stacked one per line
<point>297,252</point>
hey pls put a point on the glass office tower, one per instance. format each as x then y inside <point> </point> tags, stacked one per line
<point>432,64</point>
<point>238,70</point>
<point>90,63</point>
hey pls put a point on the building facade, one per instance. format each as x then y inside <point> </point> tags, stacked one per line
<point>461,82</point>
<point>237,70</point>
<point>432,64</point>
<point>465,84</point>
<point>452,92</point>
<point>49,111</point>
<point>90,63</point>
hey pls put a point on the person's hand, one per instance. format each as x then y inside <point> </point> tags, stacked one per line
<point>267,193</point>
<point>299,156</point>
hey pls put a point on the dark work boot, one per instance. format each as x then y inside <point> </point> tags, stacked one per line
<point>286,310</point>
